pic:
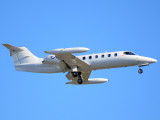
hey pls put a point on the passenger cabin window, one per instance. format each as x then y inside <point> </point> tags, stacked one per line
<point>84,58</point>
<point>115,54</point>
<point>129,53</point>
<point>109,55</point>
<point>102,56</point>
<point>96,56</point>
<point>90,57</point>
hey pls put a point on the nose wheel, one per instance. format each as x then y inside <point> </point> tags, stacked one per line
<point>140,71</point>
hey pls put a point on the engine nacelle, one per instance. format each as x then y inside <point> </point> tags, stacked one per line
<point>90,81</point>
<point>51,59</point>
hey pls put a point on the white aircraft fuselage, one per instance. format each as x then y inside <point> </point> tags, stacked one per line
<point>58,61</point>
<point>56,66</point>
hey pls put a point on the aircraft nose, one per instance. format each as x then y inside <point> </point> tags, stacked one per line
<point>148,60</point>
<point>153,60</point>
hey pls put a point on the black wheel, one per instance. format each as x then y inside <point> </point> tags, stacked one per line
<point>79,78</point>
<point>140,71</point>
<point>79,81</point>
<point>75,74</point>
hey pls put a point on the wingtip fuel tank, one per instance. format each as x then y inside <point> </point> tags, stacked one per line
<point>68,50</point>
<point>90,81</point>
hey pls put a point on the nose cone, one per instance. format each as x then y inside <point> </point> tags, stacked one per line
<point>147,60</point>
<point>151,60</point>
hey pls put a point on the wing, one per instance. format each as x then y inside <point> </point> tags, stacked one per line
<point>72,62</point>
<point>65,55</point>
<point>84,74</point>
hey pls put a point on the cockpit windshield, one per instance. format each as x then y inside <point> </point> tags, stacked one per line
<point>129,53</point>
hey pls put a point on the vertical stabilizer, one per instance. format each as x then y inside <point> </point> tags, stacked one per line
<point>20,55</point>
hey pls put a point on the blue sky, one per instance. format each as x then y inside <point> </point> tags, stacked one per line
<point>100,25</point>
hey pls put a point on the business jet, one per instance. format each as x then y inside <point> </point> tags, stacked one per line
<point>79,68</point>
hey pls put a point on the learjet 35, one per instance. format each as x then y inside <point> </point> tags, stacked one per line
<point>79,68</point>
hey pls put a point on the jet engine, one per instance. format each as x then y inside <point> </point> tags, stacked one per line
<point>51,59</point>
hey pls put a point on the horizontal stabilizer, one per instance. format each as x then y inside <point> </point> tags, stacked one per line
<point>11,47</point>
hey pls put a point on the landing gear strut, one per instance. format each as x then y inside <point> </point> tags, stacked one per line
<point>140,71</point>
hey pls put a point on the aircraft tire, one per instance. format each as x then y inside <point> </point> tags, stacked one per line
<point>75,74</point>
<point>79,81</point>
<point>140,71</point>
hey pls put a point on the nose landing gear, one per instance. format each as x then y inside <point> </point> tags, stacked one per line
<point>140,71</point>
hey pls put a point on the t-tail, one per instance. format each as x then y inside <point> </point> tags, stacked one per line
<point>21,55</point>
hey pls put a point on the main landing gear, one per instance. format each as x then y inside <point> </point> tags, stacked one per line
<point>140,71</point>
<point>78,74</point>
